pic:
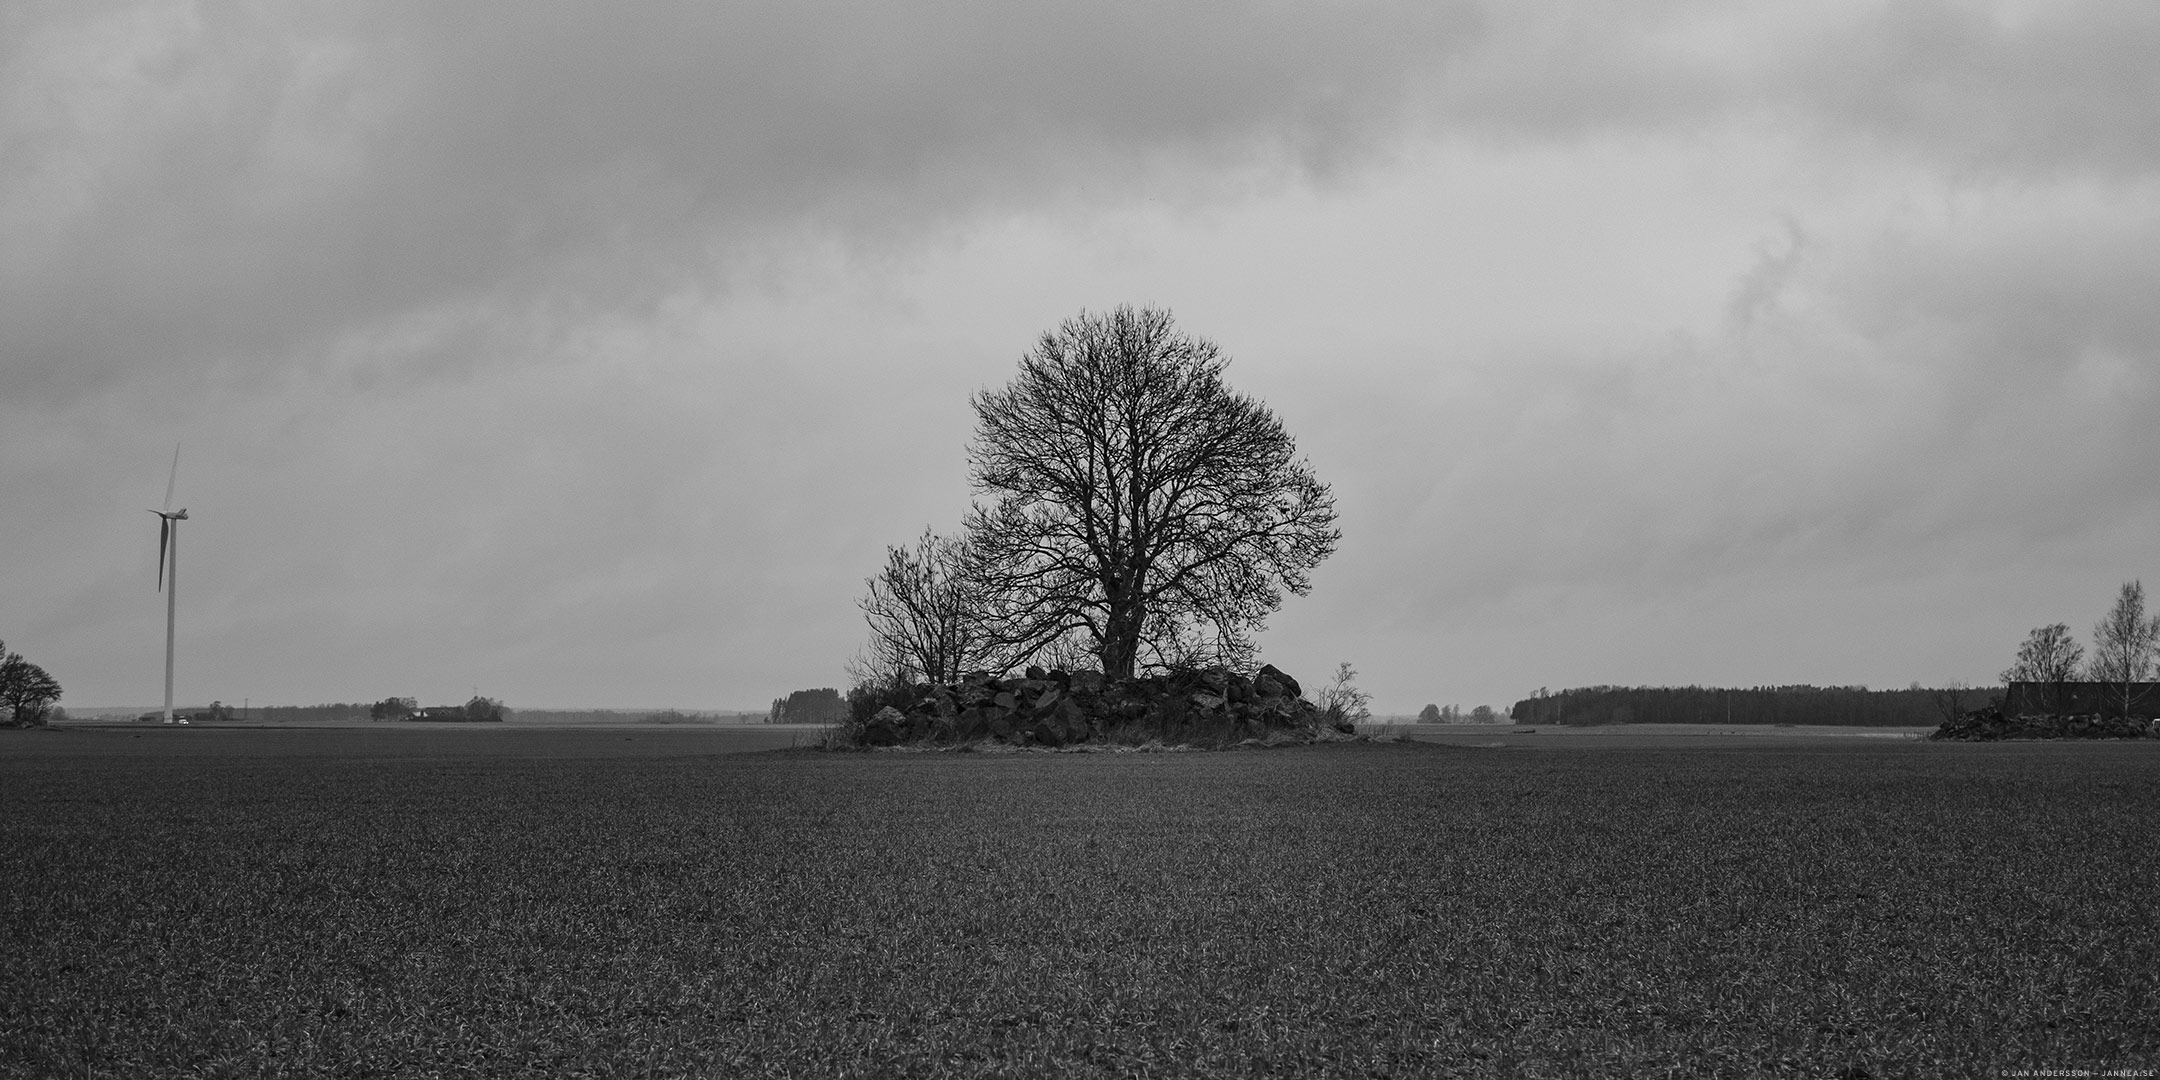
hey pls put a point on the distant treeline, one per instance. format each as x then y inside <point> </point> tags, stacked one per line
<point>1855,706</point>
<point>479,709</point>
<point>482,709</point>
<point>634,716</point>
<point>287,714</point>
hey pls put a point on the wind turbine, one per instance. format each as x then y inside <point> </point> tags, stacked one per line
<point>168,540</point>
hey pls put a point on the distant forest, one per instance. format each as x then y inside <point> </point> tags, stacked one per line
<point>635,716</point>
<point>1855,706</point>
<point>360,710</point>
<point>479,708</point>
<point>820,706</point>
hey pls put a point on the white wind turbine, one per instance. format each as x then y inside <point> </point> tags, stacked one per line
<point>169,521</point>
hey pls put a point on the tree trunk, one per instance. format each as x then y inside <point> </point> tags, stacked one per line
<point>1121,642</point>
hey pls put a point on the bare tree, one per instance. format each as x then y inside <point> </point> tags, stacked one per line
<point>1128,495</point>
<point>2125,643</point>
<point>928,617</point>
<point>2049,657</point>
<point>1949,701</point>
<point>1341,702</point>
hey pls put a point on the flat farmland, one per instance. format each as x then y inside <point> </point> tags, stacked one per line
<point>653,902</point>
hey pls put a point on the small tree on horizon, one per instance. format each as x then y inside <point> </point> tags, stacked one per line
<point>485,708</point>
<point>1430,714</point>
<point>394,708</point>
<point>27,692</point>
<point>2125,643</point>
<point>1949,700</point>
<point>2049,657</point>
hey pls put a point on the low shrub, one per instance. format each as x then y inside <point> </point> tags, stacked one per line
<point>864,701</point>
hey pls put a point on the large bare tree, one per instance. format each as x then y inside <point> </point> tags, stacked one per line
<point>1127,494</point>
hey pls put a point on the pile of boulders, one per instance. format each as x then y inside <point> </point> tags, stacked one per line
<point>1063,708</point>
<point>1988,724</point>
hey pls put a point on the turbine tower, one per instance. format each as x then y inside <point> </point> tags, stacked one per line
<point>168,540</point>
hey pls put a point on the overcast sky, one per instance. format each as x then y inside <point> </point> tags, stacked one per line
<point>591,354</point>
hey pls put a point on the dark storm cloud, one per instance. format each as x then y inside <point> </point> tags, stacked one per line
<point>243,184</point>
<point>240,184</point>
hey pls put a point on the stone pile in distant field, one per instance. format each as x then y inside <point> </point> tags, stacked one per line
<point>1989,724</point>
<point>1061,708</point>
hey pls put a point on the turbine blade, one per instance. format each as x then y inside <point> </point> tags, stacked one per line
<point>172,476</point>
<point>164,528</point>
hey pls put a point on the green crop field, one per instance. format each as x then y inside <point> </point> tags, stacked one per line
<point>539,903</point>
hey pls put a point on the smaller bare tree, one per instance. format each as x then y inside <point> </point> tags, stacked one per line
<point>1949,701</point>
<point>928,616</point>
<point>1341,701</point>
<point>2125,644</point>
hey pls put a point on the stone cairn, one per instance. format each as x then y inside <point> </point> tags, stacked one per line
<point>1064,708</point>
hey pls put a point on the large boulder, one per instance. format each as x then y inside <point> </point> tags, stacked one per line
<point>887,727</point>
<point>1271,681</point>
